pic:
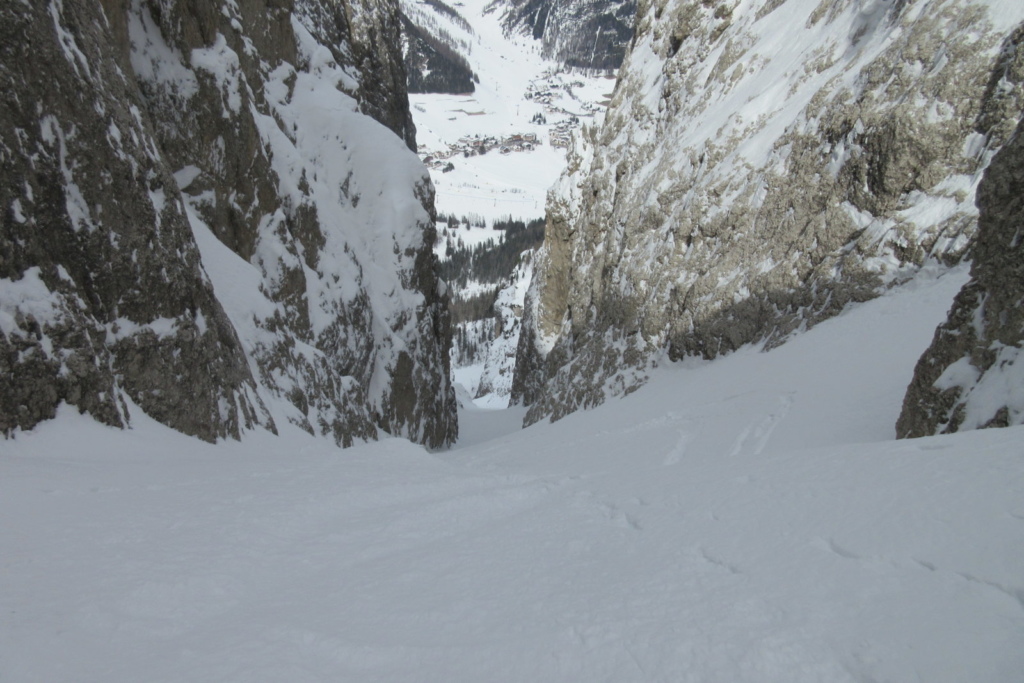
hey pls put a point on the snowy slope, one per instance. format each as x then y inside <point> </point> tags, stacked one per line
<point>743,519</point>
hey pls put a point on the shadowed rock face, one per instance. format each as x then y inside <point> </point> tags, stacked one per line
<point>433,65</point>
<point>761,166</point>
<point>588,35</point>
<point>584,35</point>
<point>132,128</point>
<point>972,376</point>
<point>103,295</point>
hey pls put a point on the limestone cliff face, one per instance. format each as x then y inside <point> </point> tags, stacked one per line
<point>762,164</point>
<point>202,218</point>
<point>972,376</point>
<point>102,294</point>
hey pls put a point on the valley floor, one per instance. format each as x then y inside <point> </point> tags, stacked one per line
<point>748,519</point>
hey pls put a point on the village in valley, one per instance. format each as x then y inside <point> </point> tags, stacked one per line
<point>550,90</point>
<point>475,145</point>
<point>496,151</point>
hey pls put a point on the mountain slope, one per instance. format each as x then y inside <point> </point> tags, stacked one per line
<point>762,165</point>
<point>433,59</point>
<point>748,519</point>
<point>585,34</point>
<point>207,222</point>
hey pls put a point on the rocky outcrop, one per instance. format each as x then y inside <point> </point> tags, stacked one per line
<point>202,219</point>
<point>103,299</point>
<point>582,34</point>
<point>972,376</point>
<point>761,166</point>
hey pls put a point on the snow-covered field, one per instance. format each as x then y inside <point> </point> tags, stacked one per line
<point>746,519</point>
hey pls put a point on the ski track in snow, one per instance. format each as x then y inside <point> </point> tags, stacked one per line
<point>720,524</point>
<point>755,437</point>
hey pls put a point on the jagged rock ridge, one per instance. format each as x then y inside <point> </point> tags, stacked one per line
<point>972,376</point>
<point>586,34</point>
<point>202,219</point>
<point>762,165</point>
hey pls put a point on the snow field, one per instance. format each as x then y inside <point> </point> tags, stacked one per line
<point>746,519</point>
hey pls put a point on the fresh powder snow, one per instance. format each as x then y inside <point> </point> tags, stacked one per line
<point>748,519</point>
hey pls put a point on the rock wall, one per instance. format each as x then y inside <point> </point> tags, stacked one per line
<point>202,219</point>
<point>500,356</point>
<point>102,293</point>
<point>762,165</point>
<point>972,376</point>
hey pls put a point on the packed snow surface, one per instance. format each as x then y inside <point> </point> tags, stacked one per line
<point>745,519</point>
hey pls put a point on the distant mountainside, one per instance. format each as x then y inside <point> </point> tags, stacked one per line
<point>761,165</point>
<point>212,214</point>
<point>500,354</point>
<point>588,34</point>
<point>487,321</point>
<point>434,59</point>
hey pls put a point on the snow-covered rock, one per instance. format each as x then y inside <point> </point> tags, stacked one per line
<point>972,376</point>
<point>500,356</point>
<point>203,218</point>
<point>762,164</point>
